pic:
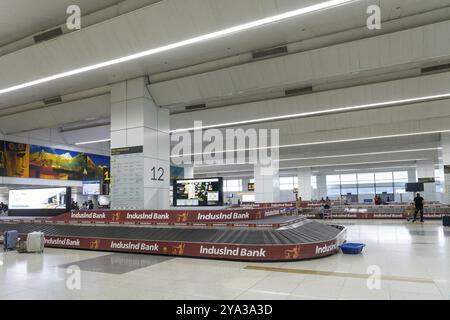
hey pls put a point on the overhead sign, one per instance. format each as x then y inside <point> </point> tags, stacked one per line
<point>127,150</point>
<point>427,180</point>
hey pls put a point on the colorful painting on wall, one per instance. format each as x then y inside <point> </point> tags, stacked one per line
<point>50,163</point>
<point>97,167</point>
<point>17,159</point>
<point>21,160</point>
<point>2,159</point>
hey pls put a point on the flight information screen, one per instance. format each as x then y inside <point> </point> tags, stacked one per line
<point>198,192</point>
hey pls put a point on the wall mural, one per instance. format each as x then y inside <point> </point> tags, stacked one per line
<point>17,159</point>
<point>31,161</point>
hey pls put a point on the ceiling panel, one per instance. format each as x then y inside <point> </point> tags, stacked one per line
<point>160,24</point>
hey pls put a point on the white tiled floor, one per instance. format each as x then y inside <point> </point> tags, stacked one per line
<point>390,245</point>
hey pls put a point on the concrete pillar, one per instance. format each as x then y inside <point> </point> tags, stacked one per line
<point>267,183</point>
<point>445,168</point>
<point>425,169</point>
<point>140,155</point>
<point>321,186</point>
<point>304,184</point>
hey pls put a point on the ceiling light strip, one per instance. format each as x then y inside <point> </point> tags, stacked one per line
<point>91,142</point>
<point>321,112</point>
<point>317,166</point>
<point>191,41</point>
<point>331,157</point>
<point>320,142</point>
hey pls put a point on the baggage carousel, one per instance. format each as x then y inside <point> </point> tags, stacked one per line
<point>297,239</point>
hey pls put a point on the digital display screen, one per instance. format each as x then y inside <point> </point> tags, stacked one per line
<point>27,199</point>
<point>414,187</point>
<point>198,192</point>
<point>91,188</point>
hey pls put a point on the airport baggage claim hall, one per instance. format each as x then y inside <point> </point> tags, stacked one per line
<point>226,150</point>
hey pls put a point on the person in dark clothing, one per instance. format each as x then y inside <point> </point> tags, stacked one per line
<point>90,205</point>
<point>418,202</point>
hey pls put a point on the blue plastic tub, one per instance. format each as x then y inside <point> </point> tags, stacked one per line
<point>352,248</point>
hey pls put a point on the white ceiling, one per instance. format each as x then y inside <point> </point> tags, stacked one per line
<point>21,18</point>
<point>174,20</point>
<point>170,21</point>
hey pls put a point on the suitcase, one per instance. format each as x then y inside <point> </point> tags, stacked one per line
<point>10,240</point>
<point>446,221</point>
<point>35,242</point>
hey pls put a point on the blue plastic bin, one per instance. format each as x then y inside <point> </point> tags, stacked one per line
<point>352,248</point>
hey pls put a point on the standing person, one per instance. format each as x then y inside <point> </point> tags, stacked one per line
<point>418,202</point>
<point>91,205</point>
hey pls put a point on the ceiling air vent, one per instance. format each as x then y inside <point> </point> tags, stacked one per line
<point>269,52</point>
<point>441,67</point>
<point>196,107</point>
<point>298,91</point>
<point>48,35</point>
<point>52,100</point>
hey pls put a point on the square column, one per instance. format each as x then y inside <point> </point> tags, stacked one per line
<point>267,183</point>
<point>140,143</point>
<point>444,168</point>
<point>304,183</point>
<point>425,169</point>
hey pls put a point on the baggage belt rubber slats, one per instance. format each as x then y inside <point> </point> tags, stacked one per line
<point>277,237</point>
<point>292,236</point>
<point>301,234</point>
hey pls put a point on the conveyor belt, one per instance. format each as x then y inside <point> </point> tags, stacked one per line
<point>306,232</point>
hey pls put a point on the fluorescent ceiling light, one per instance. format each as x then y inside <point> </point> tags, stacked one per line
<point>334,156</point>
<point>361,154</point>
<point>354,163</point>
<point>184,43</point>
<point>317,166</point>
<point>320,142</point>
<point>321,112</point>
<point>91,142</point>
<point>379,168</point>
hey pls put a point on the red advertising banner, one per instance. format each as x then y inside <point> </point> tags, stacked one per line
<point>201,250</point>
<point>171,217</point>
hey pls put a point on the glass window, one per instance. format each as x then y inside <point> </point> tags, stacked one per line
<point>232,186</point>
<point>383,177</point>
<point>287,183</point>
<point>366,178</point>
<point>333,185</point>
<point>348,179</point>
<point>333,179</point>
<point>314,182</point>
<point>401,176</point>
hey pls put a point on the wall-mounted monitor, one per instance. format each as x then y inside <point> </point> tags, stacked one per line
<point>39,202</point>
<point>91,188</point>
<point>198,192</point>
<point>414,187</point>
